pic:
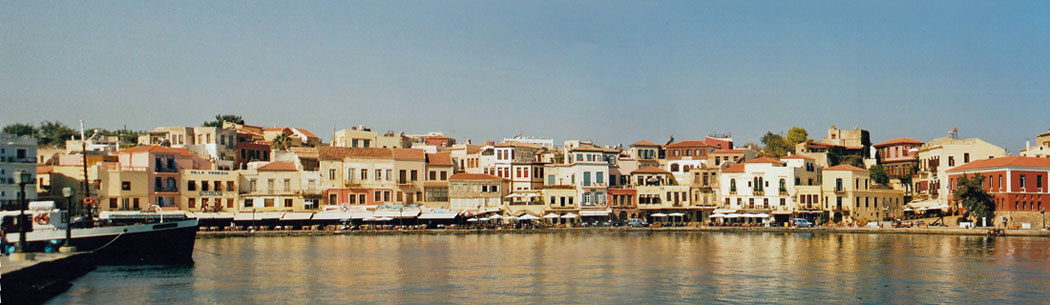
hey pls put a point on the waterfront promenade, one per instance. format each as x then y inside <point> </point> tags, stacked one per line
<point>844,230</point>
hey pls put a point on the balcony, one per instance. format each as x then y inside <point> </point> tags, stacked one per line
<point>165,170</point>
<point>17,160</point>
<point>759,192</point>
<point>165,189</point>
<point>839,190</point>
<point>783,192</point>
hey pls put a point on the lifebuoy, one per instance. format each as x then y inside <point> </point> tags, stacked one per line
<point>90,201</point>
<point>42,219</point>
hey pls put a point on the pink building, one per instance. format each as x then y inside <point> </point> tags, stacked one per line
<point>162,165</point>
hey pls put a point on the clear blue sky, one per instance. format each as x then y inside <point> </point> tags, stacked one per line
<point>612,72</point>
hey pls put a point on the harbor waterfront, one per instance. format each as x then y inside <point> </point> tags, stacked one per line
<point>586,266</point>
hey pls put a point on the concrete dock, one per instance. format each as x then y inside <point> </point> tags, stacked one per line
<point>44,276</point>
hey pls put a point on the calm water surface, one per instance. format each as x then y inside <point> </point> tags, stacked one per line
<point>588,267</point>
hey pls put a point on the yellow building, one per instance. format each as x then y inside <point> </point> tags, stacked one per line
<point>208,190</point>
<point>274,187</point>
<point>849,195</point>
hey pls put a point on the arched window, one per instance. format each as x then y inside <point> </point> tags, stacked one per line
<point>783,185</point>
<point>686,168</point>
<point>674,167</point>
<point>732,185</point>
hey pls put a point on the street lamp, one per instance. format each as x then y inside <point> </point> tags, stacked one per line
<point>22,178</point>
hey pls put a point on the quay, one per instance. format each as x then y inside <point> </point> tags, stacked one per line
<point>45,275</point>
<point>926,231</point>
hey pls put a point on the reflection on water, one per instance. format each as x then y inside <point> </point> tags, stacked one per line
<point>587,267</point>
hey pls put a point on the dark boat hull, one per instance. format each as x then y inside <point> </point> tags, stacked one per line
<point>145,244</point>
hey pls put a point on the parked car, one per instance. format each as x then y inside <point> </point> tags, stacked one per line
<point>802,223</point>
<point>637,223</point>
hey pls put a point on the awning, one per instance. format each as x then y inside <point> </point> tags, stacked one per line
<point>569,216</point>
<point>551,216</point>
<point>928,204</point>
<point>437,215</point>
<point>331,215</point>
<point>586,213</point>
<point>398,213</point>
<point>718,215</point>
<point>297,216</point>
<point>242,216</point>
<point>781,213</point>
<point>676,214</point>
<point>658,215</point>
<point>908,209</point>
<point>211,215</point>
<point>723,211</point>
<point>361,214</point>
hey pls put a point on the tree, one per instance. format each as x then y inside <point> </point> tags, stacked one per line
<point>20,129</point>
<point>281,142</point>
<point>878,174</point>
<point>797,135</point>
<point>853,160</point>
<point>219,118</point>
<point>54,133</point>
<point>977,202</point>
<point>776,145</point>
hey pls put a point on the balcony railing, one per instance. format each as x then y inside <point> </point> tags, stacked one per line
<point>759,192</point>
<point>165,170</point>
<point>17,160</point>
<point>165,189</point>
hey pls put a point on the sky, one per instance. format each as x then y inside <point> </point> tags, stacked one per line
<point>613,72</point>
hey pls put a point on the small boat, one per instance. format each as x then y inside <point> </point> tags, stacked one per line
<point>166,241</point>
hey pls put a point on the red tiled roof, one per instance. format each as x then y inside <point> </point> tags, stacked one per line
<point>518,144</point>
<point>340,153</point>
<point>846,167</point>
<point>764,160</point>
<point>735,168</point>
<point>305,132</point>
<point>730,151</point>
<point>464,176</point>
<point>156,149</point>
<point>409,154</point>
<point>41,169</point>
<point>435,184</point>
<point>649,170</point>
<point>1044,134</point>
<point>473,149</point>
<point>588,147</point>
<point>644,143</point>
<point>818,144</point>
<point>798,157</point>
<point>1014,161</point>
<point>899,141</point>
<point>439,159</point>
<point>279,166</point>
<point>688,143</point>
<point>276,129</point>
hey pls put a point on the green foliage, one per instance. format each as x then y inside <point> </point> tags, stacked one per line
<point>54,133</point>
<point>127,136</point>
<point>219,118</point>
<point>853,160</point>
<point>878,174</point>
<point>776,145</point>
<point>20,129</point>
<point>977,202</point>
<point>281,142</point>
<point>797,135</point>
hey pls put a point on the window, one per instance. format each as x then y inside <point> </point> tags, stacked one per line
<point>229,202</point>
<point>268,202</point>
<point>287,185</point>
<point>444,175</point>
<point>951,160</point>
<point>247,203</point>
<point>379,174</point>
<point>364,174</point>
<point>414,175</point>
<point>126,186</point>
<point>251,185</point>
<point>432,175</point>
<point>586,178</point>
<point>270,184</point>
<point>838,184</point>
<point>966,158</point>
<point>112,203</point>
<point>599,177</point>
<point>378,196</point>
<point>192,203</point>
<point>783,185</point>
<point>288,203</point>
<point>204,186</point>
<point>1022,181</point>
<point>1039,181</point>
<point>217,185</point>
<point>732,185</point>
<point>389,175</point>
<point>229,186</point>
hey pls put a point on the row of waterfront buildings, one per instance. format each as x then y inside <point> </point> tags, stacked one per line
<point>237,168</point>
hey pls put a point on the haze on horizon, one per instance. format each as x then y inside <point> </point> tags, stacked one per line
<point>611,72</point>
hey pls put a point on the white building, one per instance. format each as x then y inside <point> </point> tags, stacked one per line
<point>939,155</point>
<point>16,154</point>
<point>767,185</point>
<point>541,142</point>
